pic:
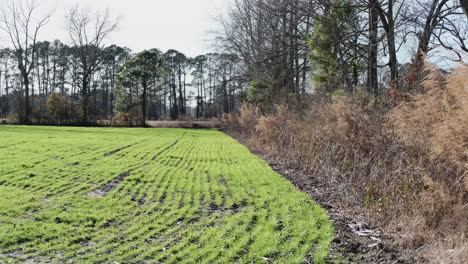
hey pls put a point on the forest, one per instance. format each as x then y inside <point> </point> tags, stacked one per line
<point>362,104</point>
<point>268,50</point>
<point>84,81</point>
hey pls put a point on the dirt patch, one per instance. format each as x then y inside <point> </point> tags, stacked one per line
<point>213,209</point>
<point>13,256</point>
<point>100,192</point>
<point>67,164</point>
<point>184,124</point>
<point>103,190</point>
<point>167,148</point>
<point>116,151</point>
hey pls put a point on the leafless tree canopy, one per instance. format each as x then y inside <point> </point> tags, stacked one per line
<point>88,32</point>
<point>18,21</point>
<point>271,38</point>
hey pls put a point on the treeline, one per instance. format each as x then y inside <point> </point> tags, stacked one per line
<point>85,81</point>
<point>155,85</point>
<point>55,78</point>
<point>269,52</point>
<point>295,47</point>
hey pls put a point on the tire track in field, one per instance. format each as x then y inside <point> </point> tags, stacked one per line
<point>106,188</point>
<point>110,153</point>
<point>117,150</point>
<point>167,148</point>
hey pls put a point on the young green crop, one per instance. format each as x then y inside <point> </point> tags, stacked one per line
<point>105,195</point>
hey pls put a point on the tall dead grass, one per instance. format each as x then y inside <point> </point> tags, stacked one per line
<point>438,117</point>
<point>406,168</point>
<point>437,121</point>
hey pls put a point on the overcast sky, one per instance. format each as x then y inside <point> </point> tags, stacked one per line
<point>183,25</point>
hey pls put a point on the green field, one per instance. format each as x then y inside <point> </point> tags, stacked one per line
<point>113,195</point>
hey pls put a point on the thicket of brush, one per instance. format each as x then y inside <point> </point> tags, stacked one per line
<point>402,159</point>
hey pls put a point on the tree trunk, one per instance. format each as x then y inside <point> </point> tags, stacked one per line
<point>27,104</point>
<point>185,93</point>
<point>181,96</point>
<point>393,60</point>
<point>224,85</point>
<point>105,100</point>
<point>143,105</point>
<point>85,103</point>
<point>175,114</point>
<point>373,48</point>
<point>388,22</point>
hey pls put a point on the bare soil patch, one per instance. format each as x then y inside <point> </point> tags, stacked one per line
<point>103,190</point>
<point>116,151</point>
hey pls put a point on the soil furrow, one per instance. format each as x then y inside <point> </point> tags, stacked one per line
<point>106,188</point>
<point>167,148</point>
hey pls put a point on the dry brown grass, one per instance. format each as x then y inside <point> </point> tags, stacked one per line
<point>405,169</point>
<point>183,124</point>
<point>439,116</point>
<point>243,122</point>
<point>132,120</point>
<point>437,121</point>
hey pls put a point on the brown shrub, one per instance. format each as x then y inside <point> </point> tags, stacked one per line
<point>437,121</point>
<point>438,118</point>
<point>248,118</point>
<point>230,122</point>
<point>347,147</point>
<point>123,119</point>
<point>244,122</point>
<point>436,227</point>
<point>183,124</point>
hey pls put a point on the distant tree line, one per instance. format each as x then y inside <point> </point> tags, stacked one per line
<point>269,52</point>
<point>84,80</point>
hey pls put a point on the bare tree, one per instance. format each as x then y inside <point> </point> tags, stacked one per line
<point>452,31</point>
<point>18,20</point>
<point>88,32</point>
<point>271,39</point>
<point>433,19</point>
<point>373,47</point>
<point>391,14</point>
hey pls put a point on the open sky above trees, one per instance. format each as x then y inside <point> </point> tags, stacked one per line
<point>144,24</point>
